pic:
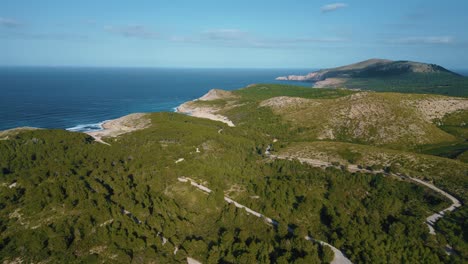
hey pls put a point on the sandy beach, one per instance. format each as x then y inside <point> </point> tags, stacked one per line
<point>203,112</point>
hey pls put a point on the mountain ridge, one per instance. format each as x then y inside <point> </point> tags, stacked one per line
<point>388,76</point>
<point>369,68</point>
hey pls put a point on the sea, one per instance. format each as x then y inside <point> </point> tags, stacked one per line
<point>81,99</point>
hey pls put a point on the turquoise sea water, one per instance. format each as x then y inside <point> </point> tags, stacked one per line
<point>80,99</point>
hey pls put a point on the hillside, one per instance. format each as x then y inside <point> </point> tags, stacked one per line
<point>169,188</point>
<point>430,124</point>
<point>398,121</point>
<point>394,120</point>
<point>387,75</point>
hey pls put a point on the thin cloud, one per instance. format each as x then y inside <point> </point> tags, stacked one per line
<point>215,35</point>
<point>402,25</point>
<point>56,36</point>
<point>434,40</point>
<point>9,23</point>
<point>317,40</point>
<point>414,19</point>
<point>42,36</point>
<point>333,7</point>
<point>236,38</point>
<point>90,22</point>
<point>184,39</point>
<point>134,31</point>
<point>225,34</point>
<point>416,16</point>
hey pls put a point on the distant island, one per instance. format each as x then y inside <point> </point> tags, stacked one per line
<point>388,75</point>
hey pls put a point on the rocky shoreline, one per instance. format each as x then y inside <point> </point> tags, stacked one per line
<point>120,126</point>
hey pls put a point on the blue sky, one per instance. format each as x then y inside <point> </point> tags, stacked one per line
<point>231,34</point>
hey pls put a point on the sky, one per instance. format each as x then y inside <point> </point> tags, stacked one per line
<point>231,33</point>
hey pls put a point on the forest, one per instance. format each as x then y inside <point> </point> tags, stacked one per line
<point>67,198</point>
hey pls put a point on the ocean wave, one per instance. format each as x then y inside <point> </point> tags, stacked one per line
<point>87,127</point>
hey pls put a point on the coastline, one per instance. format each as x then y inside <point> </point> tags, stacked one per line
<point>193,108</point>
<point>136,121</point>
<point>120,126</point>
<point>203,112</point>
<point>82,128</point>
<point>139,90</point>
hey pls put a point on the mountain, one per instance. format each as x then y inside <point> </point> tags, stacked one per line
<point>370,68</point>
<point>388,75</point>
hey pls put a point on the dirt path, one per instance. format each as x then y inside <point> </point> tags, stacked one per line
<point>430,221</point>
<point>339,256</point>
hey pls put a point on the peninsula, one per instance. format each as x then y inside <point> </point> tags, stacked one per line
<point>388,75</point>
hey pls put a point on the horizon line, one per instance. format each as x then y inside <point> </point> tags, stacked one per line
<point>181,67</point>
<point>155,67</point>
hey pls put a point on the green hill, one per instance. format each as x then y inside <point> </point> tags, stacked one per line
<point>388,119</point>
<point>398,121</point>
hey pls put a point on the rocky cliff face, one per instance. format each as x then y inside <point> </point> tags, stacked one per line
<point>309,77</point>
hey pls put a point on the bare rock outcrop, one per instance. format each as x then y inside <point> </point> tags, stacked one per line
<point>437,107</point>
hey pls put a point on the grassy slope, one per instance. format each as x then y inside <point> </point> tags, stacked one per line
<point>261,92</point>
<point>376,119</point>
<point>455,124</point>
<point>294,125</point>
<point>381,118</point>
<point>297,124</point>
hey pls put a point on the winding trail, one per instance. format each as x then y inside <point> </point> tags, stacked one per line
<point>430,220</point>
<point>339,256</point>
